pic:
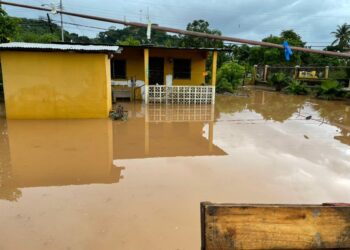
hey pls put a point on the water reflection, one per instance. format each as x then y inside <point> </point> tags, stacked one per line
<point>165,131</point>
<point>75,152</point>
<point>271,106</point>
<point>259,149</point>
<point>337,114</point>
<point>55,153</point>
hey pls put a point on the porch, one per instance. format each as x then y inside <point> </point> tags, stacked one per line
<point>164,75</point>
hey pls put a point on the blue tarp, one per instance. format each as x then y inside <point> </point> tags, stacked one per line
<point>287,51</point>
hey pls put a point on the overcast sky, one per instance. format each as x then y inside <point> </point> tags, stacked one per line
<point>250,19</point>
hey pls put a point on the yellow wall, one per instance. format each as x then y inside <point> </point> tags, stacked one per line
<point>135,65</point>
<point>50,85</point>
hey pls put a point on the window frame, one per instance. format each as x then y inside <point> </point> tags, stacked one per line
<point>189,77</point>
<point>113,73</point>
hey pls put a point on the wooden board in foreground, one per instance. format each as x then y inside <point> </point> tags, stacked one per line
<point>237,226</point>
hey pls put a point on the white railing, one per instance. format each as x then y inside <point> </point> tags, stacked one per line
<point>181,94</point>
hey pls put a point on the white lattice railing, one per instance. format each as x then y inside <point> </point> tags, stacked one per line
<point>181,94</point>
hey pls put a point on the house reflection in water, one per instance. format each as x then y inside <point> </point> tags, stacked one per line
<point>165,131</point>
<point>37,153</point>
<point>55,153</point>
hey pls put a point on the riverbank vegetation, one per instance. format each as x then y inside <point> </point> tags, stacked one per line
<point>328,89</point>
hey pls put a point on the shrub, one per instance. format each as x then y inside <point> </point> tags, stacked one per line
<point>329,89</point>
<point>224,86</point>
<point>279,80</point>
<point>229,76</point>
<point>297,88</point>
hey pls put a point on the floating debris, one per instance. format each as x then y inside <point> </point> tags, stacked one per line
<point>119,114</point>
<point>308,117</point>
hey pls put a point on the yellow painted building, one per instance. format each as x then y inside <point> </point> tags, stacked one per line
<point>65,81</point>
<point>56,81</point>
<point>156,65</point>
<point>166,58</point>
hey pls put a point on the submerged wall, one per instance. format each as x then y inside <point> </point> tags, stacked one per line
<point>54,85</point>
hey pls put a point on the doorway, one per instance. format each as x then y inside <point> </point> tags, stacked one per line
<point>156,71</point>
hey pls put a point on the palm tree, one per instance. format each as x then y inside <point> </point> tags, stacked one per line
<point>342,35</point>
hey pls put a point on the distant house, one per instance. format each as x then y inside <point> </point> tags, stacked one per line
<point>163,74</point>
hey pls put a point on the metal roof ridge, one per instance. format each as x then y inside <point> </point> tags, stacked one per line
<point>58,47</point>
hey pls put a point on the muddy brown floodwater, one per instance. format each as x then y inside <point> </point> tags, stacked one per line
<point>137,184</point>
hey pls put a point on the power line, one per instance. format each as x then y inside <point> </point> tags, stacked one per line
<point>309,44</point>
<point>304,29</point>
<point>106,29</point>
<point>179,31</point>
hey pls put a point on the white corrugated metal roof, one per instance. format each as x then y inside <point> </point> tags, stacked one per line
<point>58,47</point>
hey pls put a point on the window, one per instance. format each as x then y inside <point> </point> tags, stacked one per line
<point>182,69</point>
<point>118,69</point>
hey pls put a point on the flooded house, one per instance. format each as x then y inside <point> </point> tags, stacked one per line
<point>60,81</point>
<point>56,81</point>
<point>158,74</point>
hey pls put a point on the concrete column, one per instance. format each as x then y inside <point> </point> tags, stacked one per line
<point>326,72</point>
<point>255,71</point>
<point>265,72</point>
<point>214,68</point>
<point>296,72</point>
<point>146,65</point>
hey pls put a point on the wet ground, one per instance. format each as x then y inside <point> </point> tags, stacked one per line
<point>137,184</point>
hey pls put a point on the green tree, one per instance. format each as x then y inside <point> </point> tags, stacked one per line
<point>75,38</point>
<point>342,35</point>
<point>37,31</point>
<point>8,27</point>
<point>199,42</point>
<point>292,37</point>
<point>130,41</point>
<point>42,31</point>
<point>116,36</point>
<point>241,53</point>
<point>273,56</point>
<point>229,76</point>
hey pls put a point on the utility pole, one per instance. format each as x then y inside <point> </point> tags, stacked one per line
<point>149,26</point>
<point>180,31</point>
<point>61,14</point>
